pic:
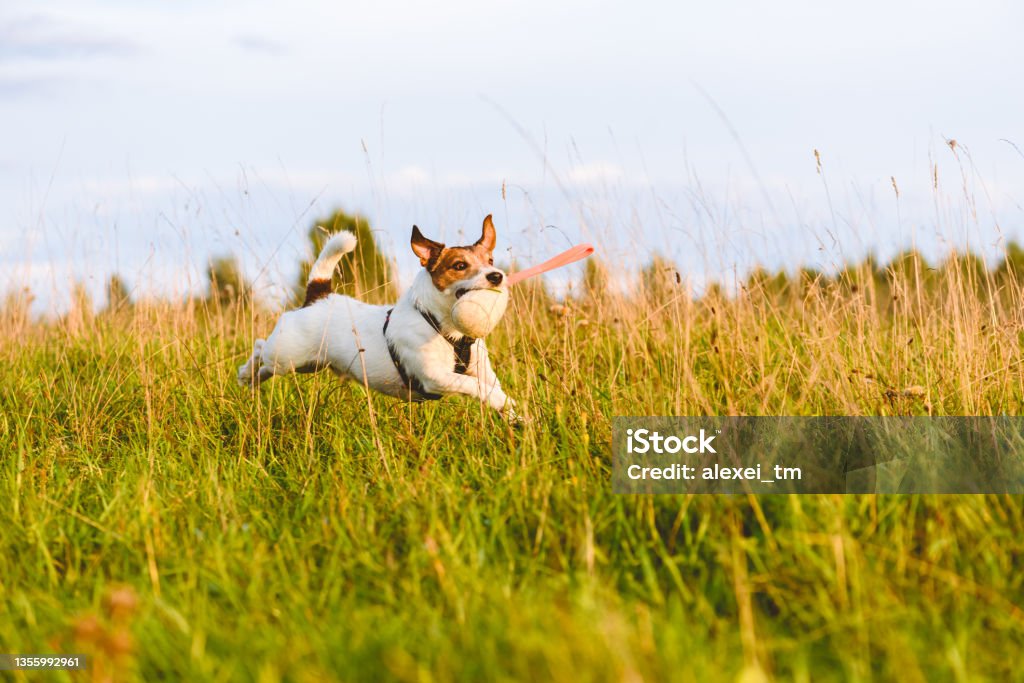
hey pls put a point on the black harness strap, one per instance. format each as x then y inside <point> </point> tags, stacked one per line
<point>463,349</point>
<point>416,389</point>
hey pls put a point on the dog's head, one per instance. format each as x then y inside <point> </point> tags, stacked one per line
<point>457,270</point>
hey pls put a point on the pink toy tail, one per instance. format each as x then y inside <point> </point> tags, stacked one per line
<point>580,251</point>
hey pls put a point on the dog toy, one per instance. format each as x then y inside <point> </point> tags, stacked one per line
<point>477,312</point>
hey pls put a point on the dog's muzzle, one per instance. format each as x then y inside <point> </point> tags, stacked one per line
<point>462,291</point>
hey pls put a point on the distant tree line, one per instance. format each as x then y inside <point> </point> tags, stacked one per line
<point>367,274</point>
<point>370,275</point>
<point>910,269</point>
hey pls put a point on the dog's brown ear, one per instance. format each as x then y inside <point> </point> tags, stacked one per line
<point>488,238</point>
<point>426,249</point>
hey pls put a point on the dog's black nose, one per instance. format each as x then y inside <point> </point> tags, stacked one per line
<point>495,278</point>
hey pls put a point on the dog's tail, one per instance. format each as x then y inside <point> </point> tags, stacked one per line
<point>319,283</point>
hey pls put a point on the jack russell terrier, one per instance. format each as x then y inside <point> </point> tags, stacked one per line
<point>411,350</point>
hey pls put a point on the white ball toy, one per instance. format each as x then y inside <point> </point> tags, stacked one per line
<point>477,312</point>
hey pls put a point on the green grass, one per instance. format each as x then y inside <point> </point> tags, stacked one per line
<point>174,526</point>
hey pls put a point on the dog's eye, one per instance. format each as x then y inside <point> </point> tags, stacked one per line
<point>460,265</point>
<point>490,262</point>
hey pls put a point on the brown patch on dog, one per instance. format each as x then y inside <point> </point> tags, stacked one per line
<point>448,265</point>
<point>458,263</point>
<point>316,290</point>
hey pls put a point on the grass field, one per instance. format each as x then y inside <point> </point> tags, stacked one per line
<point>174,526</point>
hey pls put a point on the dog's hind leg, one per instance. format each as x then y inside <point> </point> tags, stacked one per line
<point>252,372</point>
<point>297,344</point>
<point>287,351</point>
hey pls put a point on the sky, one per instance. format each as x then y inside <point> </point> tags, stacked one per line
<point>146,137</point>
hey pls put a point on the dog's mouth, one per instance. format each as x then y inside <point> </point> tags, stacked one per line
<point>466,290</point>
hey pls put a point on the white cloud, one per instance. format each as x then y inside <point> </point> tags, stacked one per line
<point>596,173</point>
<point>261,45</point>
<point>117,187</point>
<point>42,37</point>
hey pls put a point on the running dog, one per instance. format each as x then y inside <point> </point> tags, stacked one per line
<point>411,350</point>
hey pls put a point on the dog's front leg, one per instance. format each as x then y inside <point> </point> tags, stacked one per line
<point>486,390</point>
<point>481,369</point>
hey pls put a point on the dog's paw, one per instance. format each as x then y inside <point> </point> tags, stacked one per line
<point>248,375</point>
<point>246,372</point>
<point>511,414</point>
<point>519,421</point>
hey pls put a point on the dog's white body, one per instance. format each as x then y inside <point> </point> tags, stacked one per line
<point>347,335</point>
